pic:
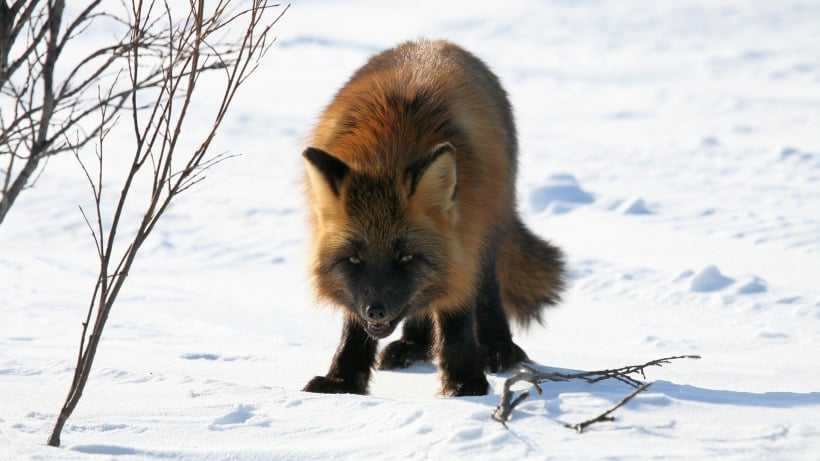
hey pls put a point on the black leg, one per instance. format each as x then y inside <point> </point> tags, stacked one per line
<point>414,345</point>
<point>461,365</point>
<point>493,328</point>
<point>350,370</point>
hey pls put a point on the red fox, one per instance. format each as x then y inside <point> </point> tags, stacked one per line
<point>410,175</point>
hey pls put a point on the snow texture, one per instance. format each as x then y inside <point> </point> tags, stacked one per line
<point>559,194</point>
<point>710,279</point>
<point>670,148</point>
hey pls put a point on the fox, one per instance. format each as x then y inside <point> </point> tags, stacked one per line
<point>410,177</point>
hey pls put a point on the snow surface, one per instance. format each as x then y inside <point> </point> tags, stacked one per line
<point>689,131</point>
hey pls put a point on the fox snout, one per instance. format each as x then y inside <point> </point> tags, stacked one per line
<point>375,312</point>
<point>380,296</point>
<point>381,318</point>
<point>379,321</point>
<point>376,325</point>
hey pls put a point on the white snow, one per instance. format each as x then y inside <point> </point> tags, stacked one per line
<point>710,279</point>
<point>704,112</point>
<point>635,206</point>
<point>559,194</point>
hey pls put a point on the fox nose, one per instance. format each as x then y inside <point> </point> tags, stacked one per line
<point>376,312</point>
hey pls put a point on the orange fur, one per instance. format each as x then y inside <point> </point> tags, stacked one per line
<point>403,105</point>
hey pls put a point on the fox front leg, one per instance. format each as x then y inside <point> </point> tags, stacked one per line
<point>350,370</point>
<point>414,346</point>
<point>461,364</point>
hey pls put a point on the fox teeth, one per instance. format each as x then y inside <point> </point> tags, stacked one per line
<point>378,326</point>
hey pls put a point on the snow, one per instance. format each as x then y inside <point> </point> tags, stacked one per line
<point>670,148</point>
<point>635,206</point>
<point>710,279</point>
<point>558,194</point>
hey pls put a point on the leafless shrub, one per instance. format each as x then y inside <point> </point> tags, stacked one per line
<point>182,49</point>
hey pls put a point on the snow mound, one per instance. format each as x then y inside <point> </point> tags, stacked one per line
<point>791,153</point>
<point>239,415</point>
<point>752,286</point>
<point>559,194</point>
<point>710,279</point>
<point>636,206</point>
<point>242,415</point>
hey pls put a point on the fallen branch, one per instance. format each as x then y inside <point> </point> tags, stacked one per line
<point>531,374</point>
<point>605,416</point>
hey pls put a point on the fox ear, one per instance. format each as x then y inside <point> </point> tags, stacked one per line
<point>325,172</point>
<point>431,182</point>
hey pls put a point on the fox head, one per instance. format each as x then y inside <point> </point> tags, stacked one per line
<point>383,243</point>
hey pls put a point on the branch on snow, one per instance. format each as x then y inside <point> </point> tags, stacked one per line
<point>534,376</point>
<point>605,416</point>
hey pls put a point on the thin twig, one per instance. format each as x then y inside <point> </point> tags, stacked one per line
<point>605,416</point>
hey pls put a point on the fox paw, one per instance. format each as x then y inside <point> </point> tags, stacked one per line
<point>326,385</point>
<point>402,354</point>
<point>502,356</point>
<point>464,388</point>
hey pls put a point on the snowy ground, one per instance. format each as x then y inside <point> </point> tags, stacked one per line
<point>671,148</point>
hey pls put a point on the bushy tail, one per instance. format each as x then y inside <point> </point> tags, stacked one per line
<point>530,272</point>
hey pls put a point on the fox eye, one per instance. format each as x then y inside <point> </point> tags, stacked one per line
<point>406,258</point>
<point>354,260</point>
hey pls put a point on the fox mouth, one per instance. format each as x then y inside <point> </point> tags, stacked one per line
<point>379,330</point>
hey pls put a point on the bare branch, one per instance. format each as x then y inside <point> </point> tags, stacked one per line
<point>531,374</point>
<point>605,416</point>
<point>12,21</point>
<point>48,109</point>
